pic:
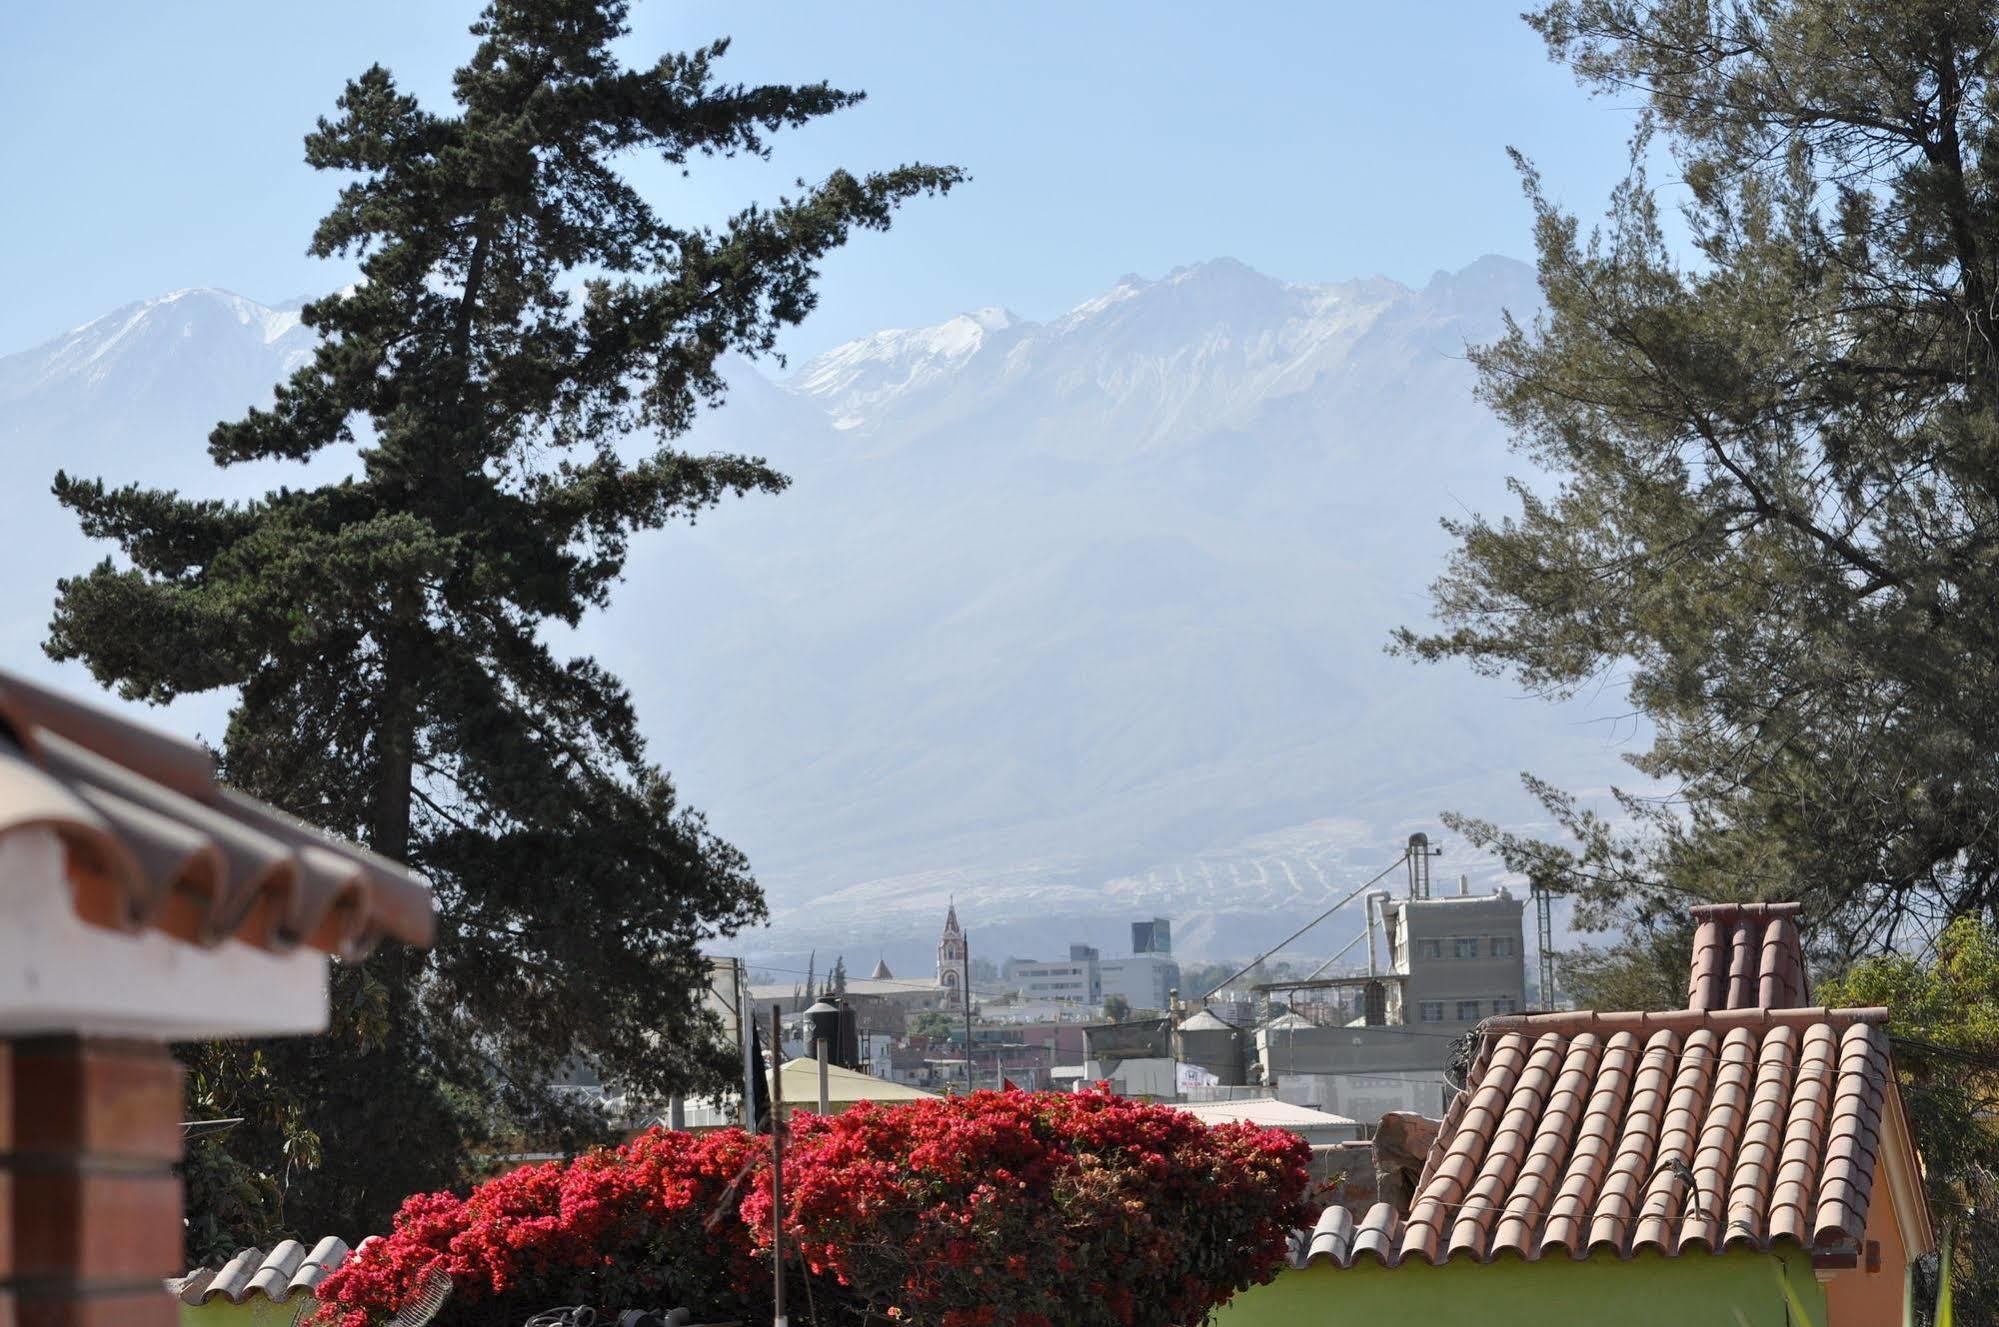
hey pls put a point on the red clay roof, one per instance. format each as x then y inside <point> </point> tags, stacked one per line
<point>1580,1133</point>
<point>155,843</point>
<point>1747,956</point>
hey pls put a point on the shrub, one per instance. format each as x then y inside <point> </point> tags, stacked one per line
<point>623,1227</point>
<point>1001,1209</point>
<point>1019,1209</point>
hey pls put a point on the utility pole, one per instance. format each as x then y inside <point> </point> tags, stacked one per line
<point>965,986</point>
<point>777,1166</point>
<point>1544,923</point>
<point>746,1026</point>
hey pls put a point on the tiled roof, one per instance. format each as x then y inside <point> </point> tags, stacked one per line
<point>154,842</point>
<point>289,1269</point>
<point>1747,956</point>
<point>1581,1132</point>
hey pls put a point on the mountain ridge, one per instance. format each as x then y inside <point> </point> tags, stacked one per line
<point>1074,618</point>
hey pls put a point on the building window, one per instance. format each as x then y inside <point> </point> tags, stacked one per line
<point>1432,1011</point>
<point>1502,1004</point>
<point>1500,946</point>
<point>1429,949</point>
<point>1465,946</point>
<point>1467,1011</point>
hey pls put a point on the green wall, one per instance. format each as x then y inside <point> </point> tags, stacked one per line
<point>256,1311</point>
<point>1739,1289</point>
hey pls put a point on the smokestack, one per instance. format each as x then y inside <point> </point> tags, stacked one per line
<point>1464,886</point>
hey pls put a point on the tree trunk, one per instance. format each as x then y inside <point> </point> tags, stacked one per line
<point>395,747</point>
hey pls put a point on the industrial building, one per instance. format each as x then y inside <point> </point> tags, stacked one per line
<point>1363,1043</point>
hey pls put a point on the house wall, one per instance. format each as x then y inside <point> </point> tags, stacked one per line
<point>256,1311</point>
<point>1740,1289</point>
<point>1858,1297</point>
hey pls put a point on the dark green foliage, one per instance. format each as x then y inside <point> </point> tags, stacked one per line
<point>1946,1031</point>
<point>1771,505</point>
<point>527,338</point>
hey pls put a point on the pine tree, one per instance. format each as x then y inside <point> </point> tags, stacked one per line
<point>1770,455</point>
<point>527,338</point>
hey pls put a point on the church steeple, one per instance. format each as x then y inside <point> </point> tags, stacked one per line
<point>951,960</point>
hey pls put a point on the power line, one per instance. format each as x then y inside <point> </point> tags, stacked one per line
<point>1377,879</point>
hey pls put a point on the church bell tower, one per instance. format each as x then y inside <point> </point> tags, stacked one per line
<point>951,961</point>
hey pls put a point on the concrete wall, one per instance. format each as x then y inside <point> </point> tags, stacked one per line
<point>1146,981</point>
<point>1739,1289</point>
<point>1491,979</point>
<point>1365,1098</point>
<point>1218,1050</point>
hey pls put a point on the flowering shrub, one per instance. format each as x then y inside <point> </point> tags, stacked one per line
<point>1001,1209</point>
<point>625,1227</point>
<point>1022,1209</point>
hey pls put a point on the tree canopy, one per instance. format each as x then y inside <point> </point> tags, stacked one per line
<point>526,339</point>
<point>1945,1008</point>
<point>1767,435</point>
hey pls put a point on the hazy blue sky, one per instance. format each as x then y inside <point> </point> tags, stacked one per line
<point>153,146</point>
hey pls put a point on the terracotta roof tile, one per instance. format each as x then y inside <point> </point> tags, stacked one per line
<point>1694,1129</point>
<point>154,842</point>
<point>1747,956</point>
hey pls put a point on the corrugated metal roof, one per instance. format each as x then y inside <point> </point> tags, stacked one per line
<point>287,1270</point>
<point>1265,1111</point>
<point>844,1087</point>
<point>1288,1022</point>
<point>153,842</point>
<point>1204,1021</point>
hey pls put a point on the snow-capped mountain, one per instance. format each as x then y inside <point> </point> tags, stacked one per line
<point>188,351</point>
<point>1077,619</point>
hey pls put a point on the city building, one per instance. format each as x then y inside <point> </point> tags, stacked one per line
<point>1364,1044</point>
<point>1074,980</point>
<point>882,1001</point>
<point>1458,959</point>
<point>1452,962</point>
<point>1145,980</point>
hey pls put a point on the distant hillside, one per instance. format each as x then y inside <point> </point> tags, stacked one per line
<point>1077,620</point>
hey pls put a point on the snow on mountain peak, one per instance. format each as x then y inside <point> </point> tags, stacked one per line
<point>1187,350</point>
<point>144,340</point>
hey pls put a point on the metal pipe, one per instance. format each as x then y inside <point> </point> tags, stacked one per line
<point>1342,953</point>
<point>825,1104</point>
<point>746,1024</point>
<point>965,994</point>
<point>1378,877</point>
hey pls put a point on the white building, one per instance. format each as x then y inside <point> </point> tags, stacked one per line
<point>1071,981</point>
<point>1144,980</point>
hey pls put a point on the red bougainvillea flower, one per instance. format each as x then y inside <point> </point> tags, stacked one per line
<point>998,1209</point>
